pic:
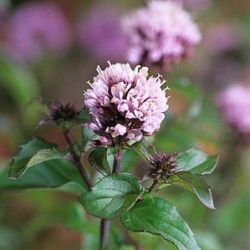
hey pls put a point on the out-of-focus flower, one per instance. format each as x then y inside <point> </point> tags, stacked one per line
<point>160,34</point>
<point>224,37</point>
<point>62,114</point>
<point>225,43</point>
<point>234,103</point>
<point>100,32</point>
<point>125,103</point>
<point>36,28</point>
<point>61,111</point>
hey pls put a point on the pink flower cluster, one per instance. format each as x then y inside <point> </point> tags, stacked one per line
<point>100,33</point>
<point>160,34</point>
<point>36,28</point>
<point>125,103</point>
<point>234,102</point>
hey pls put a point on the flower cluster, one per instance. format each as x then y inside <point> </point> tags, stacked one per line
<point>162,166</point>
<point>234,103</point>
<point>125,103</point>
<point>101,33</point>
<point>36,28</point>
<point>160,34</point>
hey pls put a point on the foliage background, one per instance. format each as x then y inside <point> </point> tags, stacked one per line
<point>51,220</point>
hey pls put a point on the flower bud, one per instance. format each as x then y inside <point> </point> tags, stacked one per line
<point>162,166</point>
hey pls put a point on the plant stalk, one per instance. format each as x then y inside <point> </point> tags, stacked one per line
<point>77,160</point>
<point>105,224</point>
<point>105,229</point>
<point>117,161</point>
<point>151,188</point>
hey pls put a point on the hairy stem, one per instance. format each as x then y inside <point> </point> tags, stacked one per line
<point>105,224</point>
<point>77,160</point>
<point>151,188</point>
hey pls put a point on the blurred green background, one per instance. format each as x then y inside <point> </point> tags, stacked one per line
<point>46,220</point>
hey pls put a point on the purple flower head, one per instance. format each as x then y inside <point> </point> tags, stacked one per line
<point>224,37</point>
<point>160,34</point>
<point>36,28</point>
<point>234,103</point>
<point>101,33</point>
<point>124,103</point>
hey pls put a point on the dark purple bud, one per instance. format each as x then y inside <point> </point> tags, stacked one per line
<point>162,166</point>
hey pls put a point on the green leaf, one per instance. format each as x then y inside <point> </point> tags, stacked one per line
<point>19,162</point>
<point>59,174</point>
<point>112,196</point>
<point>98,159</point>
<point>196,162</point>
<point>156,216</point>
<point>195,184</point>
<point>129,160</point>
<point>44,155</point>
<point>143,150</point>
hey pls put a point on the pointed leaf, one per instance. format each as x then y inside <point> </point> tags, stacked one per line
<point>98,159</point>
<point>59,174</point>
<point>44,155</point>
<point>112,196</point>
<point>157,216</point>
<point>19,162</point>
<point>143,150</point>
<point>195,184</point>
<point>196,162</point>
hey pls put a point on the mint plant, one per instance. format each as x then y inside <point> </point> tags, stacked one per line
<point>123,107</point>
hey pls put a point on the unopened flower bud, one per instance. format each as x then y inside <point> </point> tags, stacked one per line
<point>162,166</point>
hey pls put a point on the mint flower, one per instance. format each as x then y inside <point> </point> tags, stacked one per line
<point>160,34</point>
<point>37,28</point>
<point>99,33</point>
<point>234,103</point>
<point>125,103</point>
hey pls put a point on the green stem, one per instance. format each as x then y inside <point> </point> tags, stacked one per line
<point>77,160</point>
<point>105,224</point>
